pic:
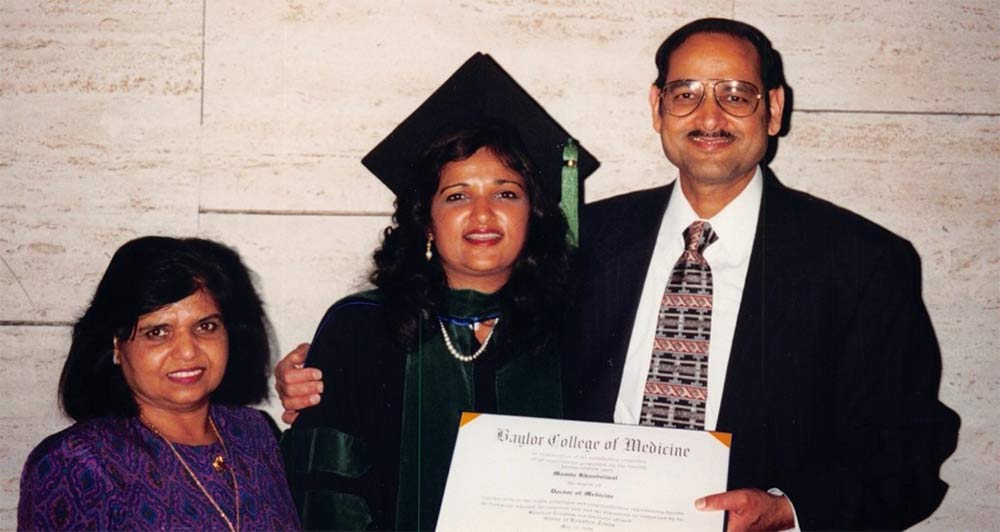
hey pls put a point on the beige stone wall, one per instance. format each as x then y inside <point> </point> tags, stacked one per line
<point>245,121</point>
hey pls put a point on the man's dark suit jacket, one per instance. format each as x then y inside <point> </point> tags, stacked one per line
<point>831,389</point>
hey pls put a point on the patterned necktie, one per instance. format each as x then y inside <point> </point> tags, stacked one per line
<point>677,385</point>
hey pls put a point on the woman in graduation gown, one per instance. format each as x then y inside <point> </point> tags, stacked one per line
<point>471,280</point>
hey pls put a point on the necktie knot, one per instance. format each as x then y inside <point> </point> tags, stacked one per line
<point>698,236</point>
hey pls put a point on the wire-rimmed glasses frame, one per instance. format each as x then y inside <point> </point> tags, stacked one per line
<point>684,96</point>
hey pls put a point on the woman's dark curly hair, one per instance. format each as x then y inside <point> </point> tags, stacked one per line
<point>414,289</point>
<point>144,275</point>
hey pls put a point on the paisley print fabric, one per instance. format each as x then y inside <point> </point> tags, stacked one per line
<point>115,474</point>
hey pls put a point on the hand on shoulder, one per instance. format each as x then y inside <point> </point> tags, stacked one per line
<point>298,387</point>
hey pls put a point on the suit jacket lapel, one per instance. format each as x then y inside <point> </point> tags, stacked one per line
<point>618,240</point>
<point>645,229</point>
<point>770,297</point>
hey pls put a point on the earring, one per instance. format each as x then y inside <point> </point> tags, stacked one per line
<point>115,358</point>
<point>428,254</point>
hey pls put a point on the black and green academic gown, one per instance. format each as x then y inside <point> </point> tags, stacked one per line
<point>374,454</point>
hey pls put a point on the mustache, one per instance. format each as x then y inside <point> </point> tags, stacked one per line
<point>722,134</point>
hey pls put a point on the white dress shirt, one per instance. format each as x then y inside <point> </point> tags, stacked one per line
<point>729,258</point>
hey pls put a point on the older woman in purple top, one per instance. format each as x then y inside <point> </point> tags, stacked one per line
<point>172,346</point>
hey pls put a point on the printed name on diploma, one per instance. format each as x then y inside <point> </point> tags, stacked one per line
<point>573,441</point>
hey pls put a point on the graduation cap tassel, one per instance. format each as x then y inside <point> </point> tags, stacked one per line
<point>570,202</point>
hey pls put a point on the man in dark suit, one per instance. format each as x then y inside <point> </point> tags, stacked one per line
<point>821,359</point>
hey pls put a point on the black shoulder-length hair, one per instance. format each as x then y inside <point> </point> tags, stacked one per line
<point>414,288</point>
<point>144,275</point>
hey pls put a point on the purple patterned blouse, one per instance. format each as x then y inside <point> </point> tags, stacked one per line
<point>115,474</point>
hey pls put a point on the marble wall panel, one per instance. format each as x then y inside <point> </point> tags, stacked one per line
<point>100,109</point>
<point>912,56</point>
<point>911,173</point>
<point>82,179</point>
<point>32,358</point>
<point>100,47</point>
<point>286,131</point>
<point>303,265</point>
<point>931,179</point>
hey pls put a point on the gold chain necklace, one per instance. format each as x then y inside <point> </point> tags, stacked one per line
<point>216,464</point>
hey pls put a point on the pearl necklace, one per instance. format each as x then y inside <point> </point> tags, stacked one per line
<point>217,464</point>
<point>454,352</point>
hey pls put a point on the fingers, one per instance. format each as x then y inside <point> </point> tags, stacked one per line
<point>289,370</point>
<point>751,509</point>
<point>293,376</point>
<point>294,359</point>
<point>727,500</point>
<point>295,397</point>
<point>302,395</point>
<point>297,387</point>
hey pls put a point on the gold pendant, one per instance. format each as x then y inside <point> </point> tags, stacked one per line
<point>219,463</point>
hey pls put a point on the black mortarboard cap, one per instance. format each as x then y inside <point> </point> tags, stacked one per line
<point>480,90</point>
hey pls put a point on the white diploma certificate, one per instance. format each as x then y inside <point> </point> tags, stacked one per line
<point>518,473</point>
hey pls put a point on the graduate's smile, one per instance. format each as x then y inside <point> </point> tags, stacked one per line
<point>483,237</point>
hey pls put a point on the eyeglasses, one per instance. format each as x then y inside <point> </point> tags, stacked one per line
<point>682,97</point>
